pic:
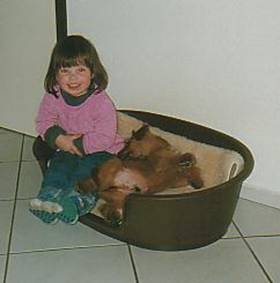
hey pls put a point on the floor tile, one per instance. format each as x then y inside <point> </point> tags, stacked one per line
<point>107,264</point>
<point>225,261</point>
<point>10,146</point>
<point>232,232</point>
<point>29,233</point>
<point>4,131</point>
<point>8,177</point>
<point>268,251</point>
<point>30,179</point>
<point>27,154</point>
<point>2,267</point>
<point>64,253</point>
<point>6,209</point>
<point>256,219</point>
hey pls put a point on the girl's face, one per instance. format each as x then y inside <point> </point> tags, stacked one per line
<point>74,80</point>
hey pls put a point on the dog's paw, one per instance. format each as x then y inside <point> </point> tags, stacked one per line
<point>111,214</point>
<point>116,222</point>
<point>114,218</point>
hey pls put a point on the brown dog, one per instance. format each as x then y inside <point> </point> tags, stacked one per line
<point>147,165</point>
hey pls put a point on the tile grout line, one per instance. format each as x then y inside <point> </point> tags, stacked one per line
<point>67,249</point>
<point>253,253</point>
<point>133,264</point>
<point>261,204</point>
<point>13,212</point>
<point>8,161</point>
<point>262,236</point>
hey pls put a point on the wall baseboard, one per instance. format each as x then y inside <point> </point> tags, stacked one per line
<point>260,195</point>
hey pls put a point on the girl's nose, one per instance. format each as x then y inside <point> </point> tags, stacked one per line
<point>72,76</point>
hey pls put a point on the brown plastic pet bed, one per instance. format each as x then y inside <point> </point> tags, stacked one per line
<point>182,218</point>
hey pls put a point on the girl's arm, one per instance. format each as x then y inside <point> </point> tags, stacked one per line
<point>104,132</point>
<point>47,116</point>
<point>46,126</point>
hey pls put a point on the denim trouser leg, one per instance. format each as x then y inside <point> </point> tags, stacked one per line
<point>87,163</point>
<point>57,179</point>
<point>85,202</point>
<point>65,171</point>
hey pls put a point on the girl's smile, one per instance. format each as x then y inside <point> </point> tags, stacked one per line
<point>74,80</point>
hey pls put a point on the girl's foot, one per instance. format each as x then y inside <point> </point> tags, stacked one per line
<point>75,205</point>
<point>46,206</point>
<point>84,203</point>
<point>69,214</point>
<point>46,217</point>
<point>45,211</point>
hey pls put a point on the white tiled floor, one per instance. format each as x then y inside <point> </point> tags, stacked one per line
<point>33,252</point>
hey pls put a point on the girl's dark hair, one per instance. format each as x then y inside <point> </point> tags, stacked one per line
<point>71,51</point>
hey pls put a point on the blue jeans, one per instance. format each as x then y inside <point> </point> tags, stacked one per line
<point>65,170</point>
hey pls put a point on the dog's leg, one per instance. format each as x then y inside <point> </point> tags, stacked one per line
<point>107,172</point>
<point>111,214</point>
<point>112,210</point>
<point>86,186</point>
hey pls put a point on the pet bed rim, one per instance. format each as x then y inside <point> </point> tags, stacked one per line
<point>247,153</point>
<point>141,111</point>
<point>243,151</point>
<point>191,122</point>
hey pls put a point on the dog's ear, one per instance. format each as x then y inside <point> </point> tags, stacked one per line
<point>140,134</point>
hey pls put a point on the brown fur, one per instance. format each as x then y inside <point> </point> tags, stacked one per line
<point>147,165</point>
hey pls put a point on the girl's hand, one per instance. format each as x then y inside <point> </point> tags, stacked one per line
<point>65,143</point>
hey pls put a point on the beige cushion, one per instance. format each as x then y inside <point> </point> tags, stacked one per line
<point>217,164</point>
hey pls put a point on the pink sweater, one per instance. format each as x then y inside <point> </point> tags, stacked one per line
<point>96,119</point>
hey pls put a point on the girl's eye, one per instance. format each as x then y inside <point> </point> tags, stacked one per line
<point>82,70</point>
<point>63,71</point>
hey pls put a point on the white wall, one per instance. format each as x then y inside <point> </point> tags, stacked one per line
<point>27,31</point>
<point>213,62</point>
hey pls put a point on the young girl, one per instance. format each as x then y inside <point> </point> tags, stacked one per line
<point>78,122</point>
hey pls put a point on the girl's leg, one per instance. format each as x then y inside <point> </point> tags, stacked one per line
<point>87,163</point>
<point>85,202</point>
<point>43,153</point>
<point>73,203</point>
<point>51,201</point>
<point>46,212</point>
<point>58,198</point>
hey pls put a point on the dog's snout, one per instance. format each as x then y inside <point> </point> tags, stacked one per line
<point>124,154</point>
